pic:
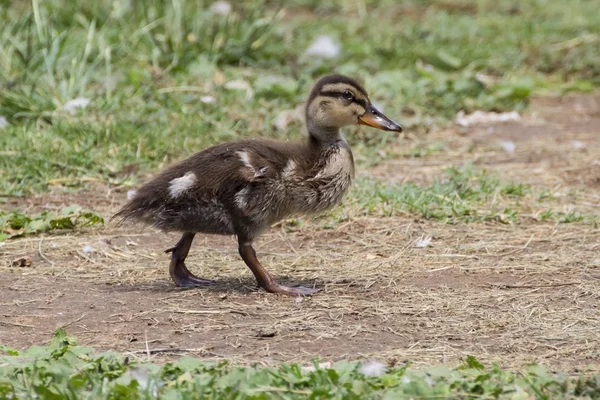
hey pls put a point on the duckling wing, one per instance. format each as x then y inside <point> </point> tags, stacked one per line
<point>199,194</point>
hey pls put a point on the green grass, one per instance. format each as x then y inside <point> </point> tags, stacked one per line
<point>15,223</point>
<point>144,69</point>
<point>63,370</point>
<point>463,194</point>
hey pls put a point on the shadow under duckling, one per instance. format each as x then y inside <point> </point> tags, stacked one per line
<point>241,188</point>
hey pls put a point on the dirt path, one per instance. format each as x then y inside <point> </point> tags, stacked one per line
<point>505,293</point>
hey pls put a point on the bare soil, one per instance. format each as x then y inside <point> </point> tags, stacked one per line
<point>511,294</point>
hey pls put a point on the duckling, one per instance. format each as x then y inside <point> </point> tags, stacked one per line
<point>241,188</point>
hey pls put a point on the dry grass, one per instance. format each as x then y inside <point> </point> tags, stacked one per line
<point>510,294</point>
<point>505,293</point>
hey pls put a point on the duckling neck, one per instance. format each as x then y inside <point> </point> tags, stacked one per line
<point>323,136</point>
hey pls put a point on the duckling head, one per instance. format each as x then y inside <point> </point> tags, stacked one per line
<point>337,101</point>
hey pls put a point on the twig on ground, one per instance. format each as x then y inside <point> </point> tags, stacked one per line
<point>16,324</point>
<point>42,254</point>
<point>500,285</point>
<point>72,322</point>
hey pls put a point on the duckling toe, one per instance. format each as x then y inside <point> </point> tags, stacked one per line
<point>182,276</point>
<point>192,281</point>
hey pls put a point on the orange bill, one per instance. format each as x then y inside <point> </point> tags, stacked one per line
<point>376,119</point>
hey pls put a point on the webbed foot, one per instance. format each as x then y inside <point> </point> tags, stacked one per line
<point>177,269</point>
<point>184,278</point>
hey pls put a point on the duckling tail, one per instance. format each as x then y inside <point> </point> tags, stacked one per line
<point>127,212</point>
<point>137,208</point>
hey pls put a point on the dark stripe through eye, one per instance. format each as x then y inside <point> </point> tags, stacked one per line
<point>362,102</point>
<point>330,94</point>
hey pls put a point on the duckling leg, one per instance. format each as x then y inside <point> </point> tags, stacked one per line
<point>264,278</point>
<point>177,269</point>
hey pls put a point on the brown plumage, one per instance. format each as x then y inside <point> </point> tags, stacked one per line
<point>241,188</point>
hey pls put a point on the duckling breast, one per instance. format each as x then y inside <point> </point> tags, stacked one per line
<point>299,188</point>
<point>329,184</point>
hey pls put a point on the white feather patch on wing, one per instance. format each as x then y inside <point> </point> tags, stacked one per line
<point>179,185</point>
<point>241,199</point>
<point>245,158</point>
<point>289,168</point>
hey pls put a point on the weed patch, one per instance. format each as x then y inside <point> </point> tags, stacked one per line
<point>15,223</point>
<point>64,370</point>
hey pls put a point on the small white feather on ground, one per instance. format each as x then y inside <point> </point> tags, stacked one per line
<point>220,7</point>
<point>72,106</point>
<point>423,242</point>
<point>240,84</point>
<point>207,99</point>
<point>323,47</point>
<point>373,368</point>
<point>508,146</point>
<point>482,118</point>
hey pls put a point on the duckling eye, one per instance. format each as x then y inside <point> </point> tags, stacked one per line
<point>347,95</point>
